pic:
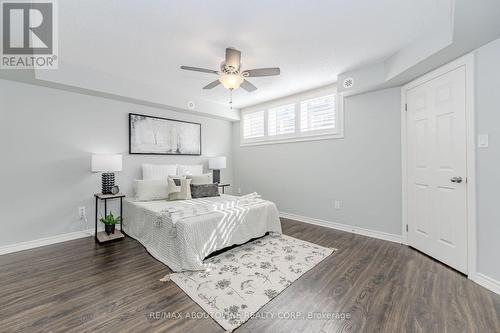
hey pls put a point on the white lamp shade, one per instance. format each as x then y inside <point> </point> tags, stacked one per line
<point>106,163</point>
<point>217,163</point>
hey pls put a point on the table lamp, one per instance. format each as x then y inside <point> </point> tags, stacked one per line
<point>216,164</point>
<point>107,164</point>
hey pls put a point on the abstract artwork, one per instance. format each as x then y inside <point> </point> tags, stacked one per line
<point>161,136</point>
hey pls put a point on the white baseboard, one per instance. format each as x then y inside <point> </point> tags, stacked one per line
<point>487,282</point>
<point>44,241</point>
<point>344,227</point>
<point>48,240</point>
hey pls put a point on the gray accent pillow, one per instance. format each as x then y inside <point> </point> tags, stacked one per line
<point>204,191</point>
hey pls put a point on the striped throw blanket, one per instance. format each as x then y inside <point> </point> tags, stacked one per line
<point>189,208</point>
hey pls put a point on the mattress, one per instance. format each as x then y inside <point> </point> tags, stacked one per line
<point>184,243</point>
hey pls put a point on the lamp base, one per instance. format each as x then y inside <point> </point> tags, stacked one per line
<point>216,176</point>
<point>108,181</point>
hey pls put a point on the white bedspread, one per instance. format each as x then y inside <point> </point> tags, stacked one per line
<point>182,233</point>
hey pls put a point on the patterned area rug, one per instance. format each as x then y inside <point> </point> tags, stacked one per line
<point>245,278</point>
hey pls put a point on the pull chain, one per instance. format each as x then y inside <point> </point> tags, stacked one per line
<point>231,98</point>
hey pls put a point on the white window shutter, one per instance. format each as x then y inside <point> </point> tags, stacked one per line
<point>298,120</point>
<point>281,120</point>
<point>253,125</point>
<point>318,114</point>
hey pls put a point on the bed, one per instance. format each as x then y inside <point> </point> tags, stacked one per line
<point>181,234</point>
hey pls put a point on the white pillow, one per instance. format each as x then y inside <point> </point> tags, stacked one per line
<point>156,171</point>
<point>183,170</point>
<point>152,189</point>
<point>203,179</point>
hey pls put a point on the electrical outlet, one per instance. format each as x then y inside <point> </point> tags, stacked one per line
<point>336,204</point>
<point>81,213</point>
<point>239,190</point>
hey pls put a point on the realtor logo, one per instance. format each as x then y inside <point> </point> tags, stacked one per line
<point>29,35</point>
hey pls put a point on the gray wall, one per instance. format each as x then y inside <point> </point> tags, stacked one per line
<point>363,170</point>
<point>488,159</point>
<point>47,137</point>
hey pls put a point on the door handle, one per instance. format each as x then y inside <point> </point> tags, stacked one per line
<point>456,179</point>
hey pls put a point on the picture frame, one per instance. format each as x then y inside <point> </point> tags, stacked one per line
<point>151,135</point>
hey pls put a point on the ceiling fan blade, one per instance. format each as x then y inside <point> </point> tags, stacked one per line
<point>233,58</point>
<point>263,72</point>
<point>197,69</point>
<point>248,86</point>
<point>212,84</point>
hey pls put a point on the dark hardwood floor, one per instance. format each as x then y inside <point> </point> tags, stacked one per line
<point>78,286</point>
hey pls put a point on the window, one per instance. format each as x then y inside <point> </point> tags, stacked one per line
<point>297,119</point>
<point>253,125</point>
<point>317,114</point>
<point>281,120</point>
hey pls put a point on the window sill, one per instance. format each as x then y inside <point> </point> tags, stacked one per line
<point>296,139</point>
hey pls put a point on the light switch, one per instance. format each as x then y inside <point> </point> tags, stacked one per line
<point>482,141</point>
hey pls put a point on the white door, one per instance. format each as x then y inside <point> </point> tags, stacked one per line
<point>436,168</point>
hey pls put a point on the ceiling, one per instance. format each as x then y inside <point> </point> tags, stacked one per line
<point>131,47</point>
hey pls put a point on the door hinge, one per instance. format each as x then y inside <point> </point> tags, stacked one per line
<point>407,228</point>
<point>406,107</point>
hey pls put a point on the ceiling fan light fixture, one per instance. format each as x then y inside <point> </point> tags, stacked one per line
<point>231,75</point>
<point>231,81</point>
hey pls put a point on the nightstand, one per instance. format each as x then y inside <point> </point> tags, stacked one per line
<point>102,237</point>
<point>223,186</point>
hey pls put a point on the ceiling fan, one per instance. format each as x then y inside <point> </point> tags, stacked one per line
<point>231,76</point>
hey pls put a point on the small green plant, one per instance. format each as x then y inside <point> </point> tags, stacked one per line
<point>111,220</point>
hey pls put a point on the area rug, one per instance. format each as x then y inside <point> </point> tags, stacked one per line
<point>245,278</point>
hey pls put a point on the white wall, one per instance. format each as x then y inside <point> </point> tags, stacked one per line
<point>488,160</point>
<point>363,170</point>
<point>47,137</point>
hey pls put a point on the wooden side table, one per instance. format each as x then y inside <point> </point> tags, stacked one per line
<point>223,186</point>
<point>102,237</point>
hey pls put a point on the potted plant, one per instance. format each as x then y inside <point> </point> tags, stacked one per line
<point>109,223</point>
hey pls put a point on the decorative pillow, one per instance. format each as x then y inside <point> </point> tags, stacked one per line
<point>183,170</point>
<point>205,178</point>
<point>157,171</point>
<point>185,190</point>
<point>152,189</point>
<point>204,191</point>
<point>174,183</point>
